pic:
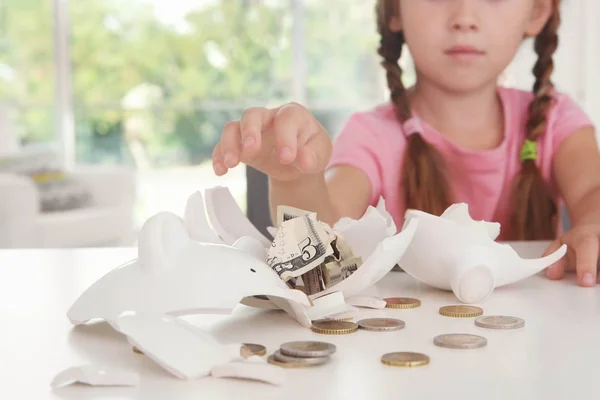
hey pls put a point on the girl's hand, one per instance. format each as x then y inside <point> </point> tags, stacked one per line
<point>285,143</point>
<point>582,243</point>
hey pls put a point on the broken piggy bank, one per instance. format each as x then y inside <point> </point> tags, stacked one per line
<point>177,275</point>
<point>454,252</point>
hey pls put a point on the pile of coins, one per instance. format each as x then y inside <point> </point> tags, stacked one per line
<point>302,354</point>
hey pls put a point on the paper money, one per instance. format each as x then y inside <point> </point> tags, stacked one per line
<point>285,213</point>
<point>348,267</point>
<point>332,273</point>
<point>300,245</point>
<point>314,281</point>
<point>343,250</point>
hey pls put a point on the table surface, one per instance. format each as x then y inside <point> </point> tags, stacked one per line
<point>556,355</point>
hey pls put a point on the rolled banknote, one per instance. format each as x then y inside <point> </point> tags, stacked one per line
<point>300,245</point>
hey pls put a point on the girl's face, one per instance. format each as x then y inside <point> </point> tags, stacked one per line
<point>466,44</point>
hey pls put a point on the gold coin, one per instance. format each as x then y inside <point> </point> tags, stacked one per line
<point>461,311</point>
<point>405,359</point>
<point>402,302</point>
<point>136,350</point>
<point>271,360</point>
<point>334,319</point>
<point>333,327</point>
<point>251,349</point>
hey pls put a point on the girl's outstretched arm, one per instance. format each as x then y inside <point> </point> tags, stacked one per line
<point>576,167</point>
<point>344,191</point>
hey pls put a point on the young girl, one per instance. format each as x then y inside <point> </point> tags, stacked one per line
<point>456,136</point>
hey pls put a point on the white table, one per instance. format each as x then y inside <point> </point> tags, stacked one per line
<point>556,355</point>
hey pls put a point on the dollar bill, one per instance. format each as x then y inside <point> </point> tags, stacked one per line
<point>332,273</point>
<point>348,267</point>
<point>342,250</point>
<point>314,281</point>
<point>335,271</point>
<point>285,213</point>
<point>300,245</point>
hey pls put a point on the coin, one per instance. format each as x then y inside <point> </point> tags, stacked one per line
<point>251,349</point>
<point>460,341</point>
<point>333,327</point>
<point>279,356</point>
<point>307,349</point>
<point>271,360</point>
<point>499,322</point>
<point>136,350</point>
<point>381,324</point>
<point>461,311</point>
<point>402,302</point>
<point>405,359</point>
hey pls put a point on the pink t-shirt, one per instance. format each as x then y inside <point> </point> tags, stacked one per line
<point>374,141</point>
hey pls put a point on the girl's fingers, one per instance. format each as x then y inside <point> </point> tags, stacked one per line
<point>217,159</point>
<point>287,124</point>
<point>556,270</point>
<point>314,155</point>
<point>230,144</point>
<point>586,252</point>
<point>253,123</point>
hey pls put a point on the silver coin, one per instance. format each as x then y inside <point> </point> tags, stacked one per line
<point>460,341</point>
<point>381,324</point>
<point>499,322</point>
<point>307,349</point>
<point>299,360</point>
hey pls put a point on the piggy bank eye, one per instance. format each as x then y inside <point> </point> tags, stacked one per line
<point>252,269</point>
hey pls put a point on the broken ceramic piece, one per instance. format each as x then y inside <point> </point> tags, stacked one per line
<point>177,275</point>
<point>196,222</point>
<point>258,371</point>
<point>176,345</point>
<point>459,213</point>
<point>385,256</point>
<point>453,252</point>
<point>365,234</point>
<point>227,218</point>
<point>95,376</point>
<point>366,301</point>
<point>328,305</point>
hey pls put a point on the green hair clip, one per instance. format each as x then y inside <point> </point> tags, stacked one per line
<point>529,150</point>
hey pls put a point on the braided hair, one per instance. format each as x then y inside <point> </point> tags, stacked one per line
<point>534,212</point>
<point>423,181</point>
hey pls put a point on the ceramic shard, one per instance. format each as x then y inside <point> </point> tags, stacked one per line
<point>251,370</point>
<point>328,305</point>
<point>176,345</point>
<point>366,301</point>
<point>95,376</point>
<point>381,261</point>
<point>228,219</point>
<point>466,259</point>
<point>196,222</point>
<point>365,234</point>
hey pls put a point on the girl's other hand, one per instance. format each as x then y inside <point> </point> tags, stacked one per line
<point>583,243</point>
<point>285,143</point>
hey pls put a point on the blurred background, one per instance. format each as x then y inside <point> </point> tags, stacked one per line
<point>145,86</point>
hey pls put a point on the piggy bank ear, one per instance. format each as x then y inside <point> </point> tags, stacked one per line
<point>161,239</point>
